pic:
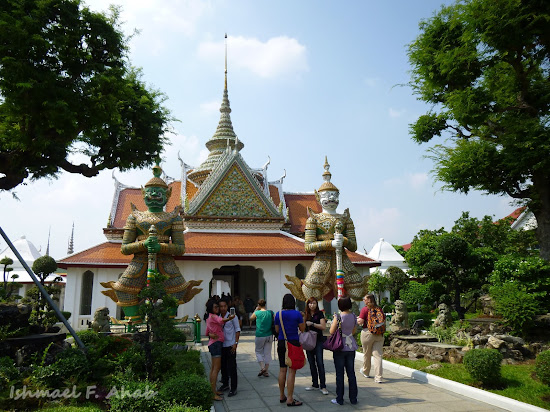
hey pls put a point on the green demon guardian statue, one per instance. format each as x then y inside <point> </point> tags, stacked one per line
<point>143,243</point>
<point>328,234</point>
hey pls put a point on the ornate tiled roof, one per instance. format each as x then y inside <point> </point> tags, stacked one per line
<point>212,246</point>
<point>133,195</point>
<point>297,204</point>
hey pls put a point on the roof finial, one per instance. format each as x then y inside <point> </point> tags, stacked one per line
<point>48,247</point>
<point>225,88</point>
<point>70,249</point>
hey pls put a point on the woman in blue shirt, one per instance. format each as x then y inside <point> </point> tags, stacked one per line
<point>292,321</point>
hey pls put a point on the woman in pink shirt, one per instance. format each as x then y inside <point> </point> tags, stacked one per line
<point>214,330</point>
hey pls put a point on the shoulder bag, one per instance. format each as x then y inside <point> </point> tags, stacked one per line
<point>335,342</point>
<point>294,355</point>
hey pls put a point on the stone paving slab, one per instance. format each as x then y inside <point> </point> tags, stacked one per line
<point>396,394</point>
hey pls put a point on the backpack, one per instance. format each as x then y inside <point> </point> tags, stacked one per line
<point>376,321</point>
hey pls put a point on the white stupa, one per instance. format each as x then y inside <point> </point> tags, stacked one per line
<point>387,255</point>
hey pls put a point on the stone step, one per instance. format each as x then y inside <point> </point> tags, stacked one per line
<point>417,338</point>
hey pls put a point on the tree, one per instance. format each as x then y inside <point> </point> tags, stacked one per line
<point>67,87</point>
<point>483,65</point>
<point>8,289</point>
<point>43,267</point>
<point>397,280</point>
<point>378,284</point>
<point>449,259</point>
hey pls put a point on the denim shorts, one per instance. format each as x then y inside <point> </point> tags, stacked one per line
<point>216,349</point>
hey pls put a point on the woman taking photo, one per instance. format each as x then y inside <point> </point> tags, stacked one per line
<point>264,321</point>
<point>292,322</point>
<point>315,321</point>
<point>214,330</point>
<point>345,358</point>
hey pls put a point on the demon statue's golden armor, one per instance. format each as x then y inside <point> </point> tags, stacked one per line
<point>325,233</point>
<point>138,241</point>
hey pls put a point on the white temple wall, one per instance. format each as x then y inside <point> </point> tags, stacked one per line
<point>272,272</point>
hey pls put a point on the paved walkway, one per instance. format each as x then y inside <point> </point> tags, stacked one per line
<point>396,394</point>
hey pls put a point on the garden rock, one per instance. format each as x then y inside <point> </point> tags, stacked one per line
<point>433,366</point>
<point>495,343</point>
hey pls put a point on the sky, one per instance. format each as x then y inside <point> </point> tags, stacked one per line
<point>306,79</point>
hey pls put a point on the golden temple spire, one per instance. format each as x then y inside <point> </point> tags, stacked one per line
<point>223,137</point>
<point>225,87</point>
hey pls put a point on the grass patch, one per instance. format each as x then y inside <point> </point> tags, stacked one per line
<point>517,379</point>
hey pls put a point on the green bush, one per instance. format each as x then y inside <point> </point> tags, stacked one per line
<point>88,337</point>
<point>190,362</point>
<point>516,306</point>
<point>138,396</point>
<point>70,367</point>
<point>8,372</point>
<point>428,318</point>
<point>483,365</point>
<point>542,367</point>
<point>187,389</point>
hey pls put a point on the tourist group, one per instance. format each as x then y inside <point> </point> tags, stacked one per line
<point>295,332</point>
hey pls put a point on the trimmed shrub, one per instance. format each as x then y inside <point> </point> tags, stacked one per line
<point>483,365</point>
<point>517,306</point>
<point>188,389</point>
<point>190,362</point>
<point>542,367</point>
<point>138,396</point>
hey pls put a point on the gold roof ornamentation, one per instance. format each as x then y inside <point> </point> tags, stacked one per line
<point>156,181</point>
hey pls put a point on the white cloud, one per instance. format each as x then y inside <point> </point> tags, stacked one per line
<point>155,18</point>
<point>210,107</point>
<point>395,113</point>
<point>278,56</point>
<point>417,180</point>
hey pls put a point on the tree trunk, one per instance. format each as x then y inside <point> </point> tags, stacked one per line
<point>541,209</point>
<point>458,308</point>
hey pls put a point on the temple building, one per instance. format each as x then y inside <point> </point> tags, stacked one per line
<point>243,233</point>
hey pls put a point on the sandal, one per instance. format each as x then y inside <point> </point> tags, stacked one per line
<point>266,374</point>
<point>261,372</point>
<point>295,403</point>
<point>218,398</point>
<point>282,400</point>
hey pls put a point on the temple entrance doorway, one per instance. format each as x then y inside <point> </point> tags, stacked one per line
<point>237,280</point>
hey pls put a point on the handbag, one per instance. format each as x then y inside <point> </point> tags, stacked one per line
<point>294,355</point>
<point>335,342</point>
<point>308,339</point>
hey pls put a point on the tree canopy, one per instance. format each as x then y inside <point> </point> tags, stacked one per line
<point>66,86</point>
<point>484,66</point>
<point>464,258</point>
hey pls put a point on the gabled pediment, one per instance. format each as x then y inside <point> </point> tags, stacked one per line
<point>231,191</point>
